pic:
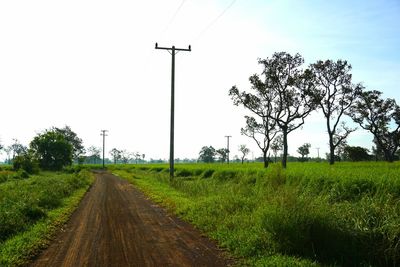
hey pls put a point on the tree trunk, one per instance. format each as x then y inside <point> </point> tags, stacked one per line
<point>285,146</point>
<point>331,150</point>
<point>388,156</point>
<point>265,158</point>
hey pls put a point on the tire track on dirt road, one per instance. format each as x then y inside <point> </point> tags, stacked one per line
<point>116,225</point>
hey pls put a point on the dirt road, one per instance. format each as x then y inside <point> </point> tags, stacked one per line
<point>116,225</point>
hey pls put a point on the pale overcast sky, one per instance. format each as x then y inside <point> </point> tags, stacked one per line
<point>92,65</point>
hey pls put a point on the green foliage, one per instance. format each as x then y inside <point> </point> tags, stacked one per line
<point>311,214</point>
<point>356,153</point>
<point>72,138</point>
<point>304,150</point>
<point>377,116</point>
<point>24,202</point>
<point>27,163</point>
<point>22,247</point>
<point>207,154</point>
<point>52,150</point>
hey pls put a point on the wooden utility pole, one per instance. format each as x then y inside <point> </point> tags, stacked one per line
<point>103,133</point>
<point>172,50</point>
<point>227,145</point>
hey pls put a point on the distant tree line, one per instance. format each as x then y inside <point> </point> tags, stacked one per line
<point>284,94</point>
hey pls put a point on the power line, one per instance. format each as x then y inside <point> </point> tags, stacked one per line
<point>172,18</point>
<point>214,21</point>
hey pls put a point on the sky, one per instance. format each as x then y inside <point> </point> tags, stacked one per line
<point>92,65</point>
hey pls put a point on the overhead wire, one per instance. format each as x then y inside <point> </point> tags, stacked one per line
<point>172,18</point>
<point>214,21</point>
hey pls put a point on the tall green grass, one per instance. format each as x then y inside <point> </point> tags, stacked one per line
<point>310,214</point>
<point>31,208</point>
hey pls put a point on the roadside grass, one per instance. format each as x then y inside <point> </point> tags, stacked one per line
<point>32,211</point>
<point>311,214</point>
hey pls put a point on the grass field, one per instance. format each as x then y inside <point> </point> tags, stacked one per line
<point>33,208</point>
<point>311,214</point>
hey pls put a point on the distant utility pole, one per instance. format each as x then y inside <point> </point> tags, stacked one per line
<point>173,50</point>
<point>103,133</point>
<point>317,151</point>
<point>227,145</point>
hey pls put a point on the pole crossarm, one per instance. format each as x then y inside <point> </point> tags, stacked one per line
<point>172,50</point>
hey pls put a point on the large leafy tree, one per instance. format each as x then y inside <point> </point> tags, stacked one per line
<point>356,153</point>
<point>260,101</point>
<point>335,94</point>
<point>76,142</point>
<point>52,150</point>
<point>381,117</point>
<point>292,89</point>
<point>207,154</point>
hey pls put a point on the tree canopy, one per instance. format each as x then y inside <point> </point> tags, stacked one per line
<point>207,154</point>
<point>52,150</point>
<point>381,117</point>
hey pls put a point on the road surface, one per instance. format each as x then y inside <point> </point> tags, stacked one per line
<point>116,225</point>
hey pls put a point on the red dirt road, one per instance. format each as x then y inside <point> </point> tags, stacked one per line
<point>116,225</point>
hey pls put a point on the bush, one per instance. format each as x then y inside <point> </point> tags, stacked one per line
<point>21,174</point>
<point>27,163</point>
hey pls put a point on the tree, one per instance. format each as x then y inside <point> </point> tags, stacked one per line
<point>356,153</point>
<point>125,156</point>
<point>376,115</point>
<point>73,139</point>
<point>115,154</point>
<point>245,151</point>
<point>52,150</point>
<point>17,148</point>
<point>222,154</point>
<point>207,154</point>
<point>304,150</point>
<point>277,145</point>
<point>335,94</point>
<point>137,156</point>
<point>93,154</point>
<point>261,104</point>
<point>292,90</point>
<point>8,153</point>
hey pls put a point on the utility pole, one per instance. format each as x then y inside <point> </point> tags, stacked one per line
<point>103,133</point>
<point>227,145</point>
<point>172,50</point>
<point>317,152</point>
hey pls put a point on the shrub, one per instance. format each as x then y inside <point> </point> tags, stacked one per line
<point>27,163</point>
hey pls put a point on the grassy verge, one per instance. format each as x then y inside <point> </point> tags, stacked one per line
<point>33,210</point>
<point>308,215</point>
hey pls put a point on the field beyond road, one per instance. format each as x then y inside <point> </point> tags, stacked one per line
<point>115,225</point>
<point>311,214</point>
